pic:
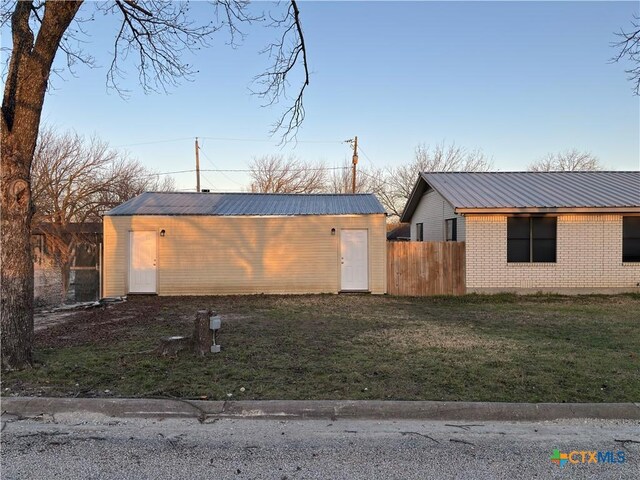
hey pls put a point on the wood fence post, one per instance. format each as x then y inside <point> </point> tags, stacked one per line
<point>202,334</point>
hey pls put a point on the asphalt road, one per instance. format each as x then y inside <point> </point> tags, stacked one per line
<point>73,446</point>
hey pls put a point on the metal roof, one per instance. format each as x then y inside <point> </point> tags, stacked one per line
<point>250,204</point>
<point>531,191</point>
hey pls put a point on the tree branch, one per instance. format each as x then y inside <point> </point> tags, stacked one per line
<point>629,46</point>
<point>274,82</point>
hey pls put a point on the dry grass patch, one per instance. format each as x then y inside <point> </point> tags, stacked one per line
<point>482,348</point>
<point>432,335</point>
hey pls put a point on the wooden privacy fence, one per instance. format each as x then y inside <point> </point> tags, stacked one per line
<point>425,268</point>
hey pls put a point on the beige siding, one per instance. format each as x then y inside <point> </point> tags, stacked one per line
<point>202,255</point>
<point>432,211</point>
<point>588,253</point>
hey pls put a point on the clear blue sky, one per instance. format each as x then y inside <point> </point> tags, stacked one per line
<point>514,79</point>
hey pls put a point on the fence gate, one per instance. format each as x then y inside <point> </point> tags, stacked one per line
<point>425,268</point>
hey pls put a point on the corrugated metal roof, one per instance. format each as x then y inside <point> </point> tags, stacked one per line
<point>254,204</point>
<point>531,190</point>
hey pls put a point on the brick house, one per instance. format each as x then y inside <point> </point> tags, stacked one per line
<point>565,232</point>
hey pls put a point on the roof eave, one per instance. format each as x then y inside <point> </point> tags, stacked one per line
<point>414,198</point>
<point>412,203</point>
<point>505,210</point>
<point>221,215</point>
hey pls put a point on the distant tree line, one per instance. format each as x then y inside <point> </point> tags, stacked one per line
<point>76,179</point>
<point>392,185</point>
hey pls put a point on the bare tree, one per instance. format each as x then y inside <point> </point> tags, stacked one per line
<point>153,33</point>
<point>285,54</point>
<point>399,181</point>
<point>381,185</point>
<point>75,180</point>
<point>277,174</point>
<point>128,178</point>
<point>628,46</point>
<point>450,158</point>
<point>567,161</point>
<point>341,180</point>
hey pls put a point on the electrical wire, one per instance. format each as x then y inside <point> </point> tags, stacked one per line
<point>365,155</point>
<point>223,174</point>
<point>375,177</point>
<point>224,139</point>
<point>152,142</point>
<point>265,140</point>
<point>245,170</point>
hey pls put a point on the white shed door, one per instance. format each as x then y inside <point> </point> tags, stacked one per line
<point>142,262</point>
<point>354,258</point>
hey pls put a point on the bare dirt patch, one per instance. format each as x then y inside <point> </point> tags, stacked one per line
<point>48,319</point>
<point>99,325</point>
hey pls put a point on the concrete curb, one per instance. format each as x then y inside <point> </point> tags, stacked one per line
<point>203,410</point>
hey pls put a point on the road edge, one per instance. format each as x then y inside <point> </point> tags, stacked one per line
<point>204,410</point>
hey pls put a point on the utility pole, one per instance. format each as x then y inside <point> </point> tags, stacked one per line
<point>197,166</point>
<point>354,162</point>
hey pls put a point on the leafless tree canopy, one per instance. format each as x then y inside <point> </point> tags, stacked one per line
<point>567,161</point>
<point>450,158</point>
<point>75,180</point>
<point>399,181</point>
<point>628,46</point>
<point>285,53</point>
<point>155,35</point>
<point>392,186</point>
<point>277,174</point>
<point>340,180</point>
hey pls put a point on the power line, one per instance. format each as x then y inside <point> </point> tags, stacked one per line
<point>245,170</point>
<point>376,178</point>
<point>223,174</point>
<point>365,154</point>
<point>152,142</point>
<point>168,173</point>
<point>209,182</point>
<point>223,139</point>
<point>266,140</point>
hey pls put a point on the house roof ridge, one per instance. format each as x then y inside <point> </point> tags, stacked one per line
<point>260,193</point>
<point>247,203</point>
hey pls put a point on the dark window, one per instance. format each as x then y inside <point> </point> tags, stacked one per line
<point>543,239</point>
<point>518,239</point>
<point>419,232</point>
<point>631,239</point>
<point>531,239</point>
<point>451,229</point>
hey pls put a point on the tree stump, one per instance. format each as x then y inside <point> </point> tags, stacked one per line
<point>202,334</point>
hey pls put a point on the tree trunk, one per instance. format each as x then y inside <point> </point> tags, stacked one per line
<point>16,265</point>
<point>25,88</point>
<point>202,334</point>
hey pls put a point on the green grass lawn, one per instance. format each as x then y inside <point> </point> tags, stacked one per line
<point>479,348</point>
